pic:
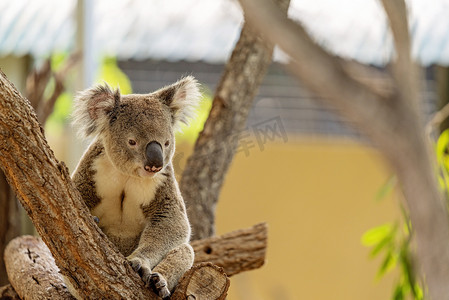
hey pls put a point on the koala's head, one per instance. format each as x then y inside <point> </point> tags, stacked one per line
<point>137,130</point>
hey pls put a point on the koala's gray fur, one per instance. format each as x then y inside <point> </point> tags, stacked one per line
<point>139,206</point>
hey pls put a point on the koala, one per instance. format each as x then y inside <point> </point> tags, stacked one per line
<point>126,176</point>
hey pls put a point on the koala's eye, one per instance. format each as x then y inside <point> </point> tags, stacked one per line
<point>132,142</point>
<point>167,143</point>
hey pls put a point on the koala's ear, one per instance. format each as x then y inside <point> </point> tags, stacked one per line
<point>92,108</point>
<point>182,98</point>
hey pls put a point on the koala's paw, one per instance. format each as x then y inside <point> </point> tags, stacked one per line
<point>140,267</point>
<point>135,263</point>
<point>154,280</point>
<point>160,284</point>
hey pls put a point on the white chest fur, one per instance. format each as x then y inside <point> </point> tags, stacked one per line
<point>121,197</point>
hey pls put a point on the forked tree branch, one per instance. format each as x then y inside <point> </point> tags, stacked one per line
<point>38,81</point>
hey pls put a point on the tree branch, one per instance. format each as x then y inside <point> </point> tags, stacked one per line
<point>404,70</point>
<point>215,147</point>
<point>396,11</point>
<point>38,81</point>
<point>237,251</point>
<point>32,270</point>
<point>34,87</point>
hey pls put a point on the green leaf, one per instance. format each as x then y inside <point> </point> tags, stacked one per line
<point>389,262</point>
<point>419,294</point>
<point>387,242</point>
<point>376,235</point>
<point>398,293</point>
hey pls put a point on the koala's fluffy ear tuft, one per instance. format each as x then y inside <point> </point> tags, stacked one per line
<point>92,108</point>
<point>182,98</point>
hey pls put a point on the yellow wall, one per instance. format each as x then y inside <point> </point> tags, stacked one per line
<point>318,199</point>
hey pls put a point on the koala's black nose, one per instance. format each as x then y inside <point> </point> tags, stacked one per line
<point>155,159</point>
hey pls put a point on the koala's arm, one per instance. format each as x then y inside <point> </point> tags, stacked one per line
<point>163,254</point>
<point>83,176</point>
<point>167,225</point>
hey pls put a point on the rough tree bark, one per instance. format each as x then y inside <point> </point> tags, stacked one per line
<point>391,121</point>
<point>32,270</point>
<point>237,251</point>
<point>37,82</point>
<point>215,147</point>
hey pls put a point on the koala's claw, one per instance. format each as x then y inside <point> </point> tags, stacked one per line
<point>160,284</point>
<point>135,264</point>
<point>154,280</point>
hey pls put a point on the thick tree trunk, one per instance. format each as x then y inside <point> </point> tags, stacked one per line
<point>10,216</point>
<point>215,147</point>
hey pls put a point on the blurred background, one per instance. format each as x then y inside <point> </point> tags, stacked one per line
<point>335,220</point>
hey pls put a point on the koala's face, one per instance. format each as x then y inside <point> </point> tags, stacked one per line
<point>139,139</point>
<point>137,131</point>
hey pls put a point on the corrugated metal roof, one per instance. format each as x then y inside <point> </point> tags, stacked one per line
<point>358,29</point>
<point>207,30</point>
